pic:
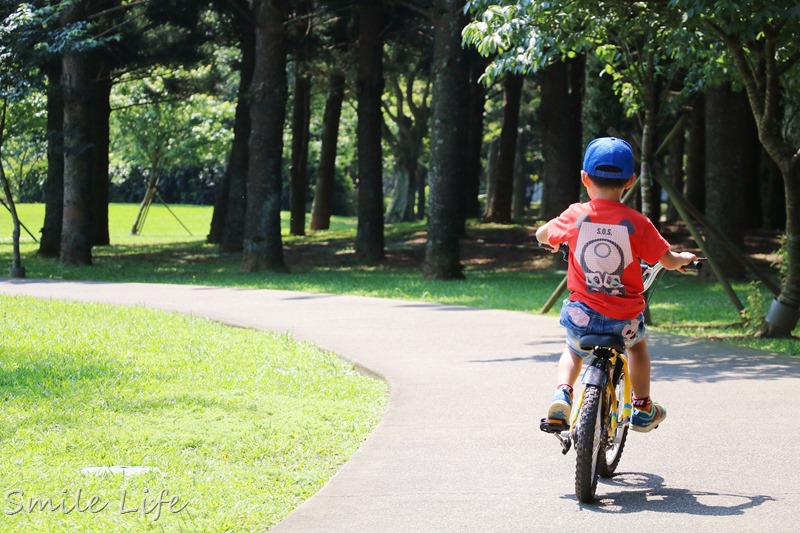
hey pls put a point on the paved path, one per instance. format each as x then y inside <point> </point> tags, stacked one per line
<point>458,448</point>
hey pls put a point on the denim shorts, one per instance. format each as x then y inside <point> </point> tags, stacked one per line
<point>580,319</point>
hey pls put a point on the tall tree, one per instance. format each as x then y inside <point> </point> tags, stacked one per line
<point>76,239</point>
<point>369,237</point>
<point>696,153</point>
<point>448,135</point>
<point>724,174</point>
<point>322,207</point>
<point>411,132</point>
<point>50,242</point>
<point>627,37</point>
<point>760,39</point>
<point>227,224</point>
<point>560,116</point>
<point>472,157</point>
<point>263,247</point>
<point>301,116</point>
<point>498,208</point>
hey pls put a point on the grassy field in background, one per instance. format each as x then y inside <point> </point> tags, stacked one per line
<point>166,253</point>
<point>241,425</point>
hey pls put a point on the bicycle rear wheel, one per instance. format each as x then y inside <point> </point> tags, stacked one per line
<point>614,440</point>
<point>588,443</point>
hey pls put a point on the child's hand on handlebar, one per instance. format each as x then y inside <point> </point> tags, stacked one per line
<point>686,258</point>
<point>548,246</point>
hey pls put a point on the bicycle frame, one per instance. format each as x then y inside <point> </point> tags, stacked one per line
<point>605,369</point>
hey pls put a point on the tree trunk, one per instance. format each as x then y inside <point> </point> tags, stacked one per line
<point>450,86</point>
<point>422,182</point>
<point>301,115</point>
<point>50,243</point>
<point>520,181</point>
<point>322,207</point>
<point>369,237</point>
<point>225,205</point>
<point>491,171</point>
<point>76,238</point>
<point>472,155</point>
<point>675,172</point>
<point>724,181</point>
<point>696,155</point>
<point>263,247</point>
<point>774,195</point>
<point>232,218</point>
<point>649,128</point>
<point>220,210</point>
<point>499,205</point>
<point>99,139</point>
<point>752,214</point>
<point>560,119</point>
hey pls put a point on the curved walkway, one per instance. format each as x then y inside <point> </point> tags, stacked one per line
<point>459,449</point>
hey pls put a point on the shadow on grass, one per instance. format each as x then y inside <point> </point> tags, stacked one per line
<point>39,377</point>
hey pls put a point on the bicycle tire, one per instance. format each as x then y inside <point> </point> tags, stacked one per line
<point>588,443</point>
<point>614,444</point>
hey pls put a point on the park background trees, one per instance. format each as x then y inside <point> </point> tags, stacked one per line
<point>375,109</point>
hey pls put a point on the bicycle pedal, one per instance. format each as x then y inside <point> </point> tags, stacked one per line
<point>553,426</point>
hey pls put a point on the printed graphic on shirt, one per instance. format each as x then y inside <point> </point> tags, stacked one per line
<point>604,250</point>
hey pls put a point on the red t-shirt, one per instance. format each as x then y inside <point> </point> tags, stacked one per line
<point>606,240</point>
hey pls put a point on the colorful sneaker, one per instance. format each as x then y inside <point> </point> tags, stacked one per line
<point>644,421</point>
<point>560,407</point>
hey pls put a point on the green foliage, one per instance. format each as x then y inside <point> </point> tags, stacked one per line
<point>755,312</point>
<point>636,45</point>
<point>22,31</point>
<point>525,36</point>
<point>155,129</point>
<point>24,147</point>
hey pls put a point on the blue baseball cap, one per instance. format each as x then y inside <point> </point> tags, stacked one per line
<point>613,155</point>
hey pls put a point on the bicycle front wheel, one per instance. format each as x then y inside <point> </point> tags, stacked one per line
<point>588,443</point>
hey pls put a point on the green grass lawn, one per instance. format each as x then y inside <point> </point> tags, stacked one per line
<point>241,425</point>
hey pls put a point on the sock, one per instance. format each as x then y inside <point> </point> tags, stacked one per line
<point>565,386</point>
<point>643,404</point>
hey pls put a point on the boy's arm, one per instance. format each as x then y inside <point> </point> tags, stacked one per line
<point>543,236</point>
<point>674,261</point>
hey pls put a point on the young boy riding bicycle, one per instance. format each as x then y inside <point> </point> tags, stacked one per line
<point>607,239</point>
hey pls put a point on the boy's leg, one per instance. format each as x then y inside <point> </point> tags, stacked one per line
<point>647,415</point>
<point>639,367</point>
<point>569,366</point>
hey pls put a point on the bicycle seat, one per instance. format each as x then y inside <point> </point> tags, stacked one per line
<point>588,342</point>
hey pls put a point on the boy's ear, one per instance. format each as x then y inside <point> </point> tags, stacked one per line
<point>630,182</point>
<point>584,178</point>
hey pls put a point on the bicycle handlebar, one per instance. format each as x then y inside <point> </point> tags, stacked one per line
<point>649,272</point>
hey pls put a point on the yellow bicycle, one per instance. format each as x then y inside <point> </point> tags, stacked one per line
<point>601,416</point>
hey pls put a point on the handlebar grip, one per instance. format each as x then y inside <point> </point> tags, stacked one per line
<point>563,248</point>
<point>695,266</point>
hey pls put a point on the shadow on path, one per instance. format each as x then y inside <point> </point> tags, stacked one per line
<point>639,491</point>
<point>701,361</point>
